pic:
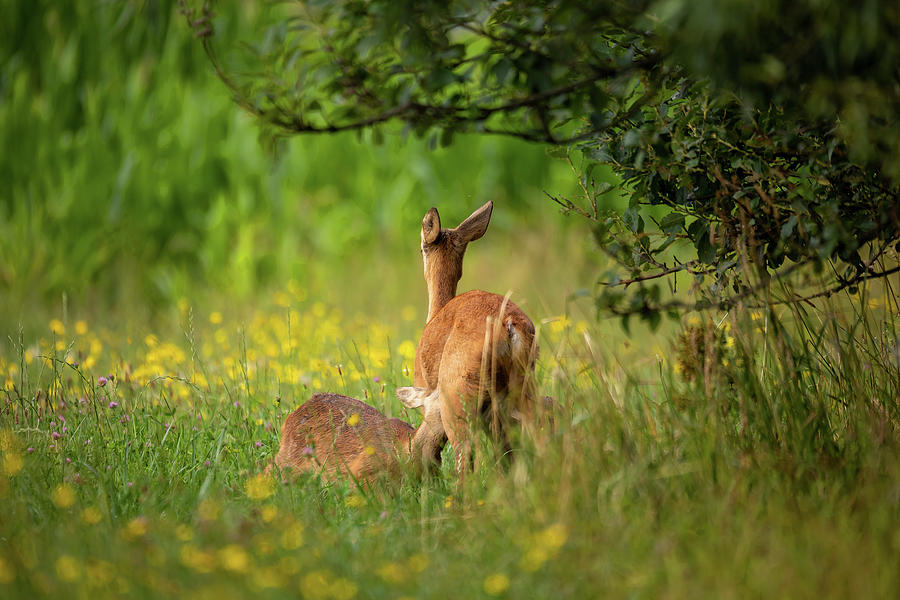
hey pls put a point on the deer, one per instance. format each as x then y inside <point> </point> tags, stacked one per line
<point>336,435</point>
<point>476,356</point>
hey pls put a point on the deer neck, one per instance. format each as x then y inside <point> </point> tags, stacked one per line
<point>440,292</point>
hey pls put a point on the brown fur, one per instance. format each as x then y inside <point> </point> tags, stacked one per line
<point>478,352</point>
<point>317,437</point>
<point>477,349</point>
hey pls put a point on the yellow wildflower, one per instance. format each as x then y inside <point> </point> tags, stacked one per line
<point>292,536</point>
<point>269,513</point>
<point>199,560</point>
<point>554,536</point>
<point>215,317</point>
<point>81,327</point>
<point>407,349</point>
<point>7,573</point>
<point>13,463</point>
<point>221,336</point>
<point>260,487</point>
<point>234,558</point>
<point>321,585</point>
<point>63,496</point>
<point>318,310</point>
<point>184,533</point>
<point>57,327</point>
<point>496,584</point>
<point>559,324</point>
<point>391,573</point>
<point>543,546</point>
<point>353,420</point>
<point>135,528</point>
<point>417,563</point>
<point>267,577</point>
<point>534,558</point>
<point>67,568</point>
<point>91,515</point>
<point>343,589</point>
<point>8,441</point>
<point>281,299</point>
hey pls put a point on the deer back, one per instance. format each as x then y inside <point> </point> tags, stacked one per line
<point>336,434</point>
<point>475,331</point>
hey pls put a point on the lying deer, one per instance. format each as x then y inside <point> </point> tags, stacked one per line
<point>338,435</point>
<point>477,351</point>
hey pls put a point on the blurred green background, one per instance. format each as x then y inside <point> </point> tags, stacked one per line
<point>130,179</point>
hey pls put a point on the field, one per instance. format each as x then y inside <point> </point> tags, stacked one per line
<point>169,292</point>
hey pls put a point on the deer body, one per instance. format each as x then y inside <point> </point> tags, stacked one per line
<point>477,350</point>
<point>338,435</point>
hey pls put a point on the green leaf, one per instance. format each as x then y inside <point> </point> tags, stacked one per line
<point>672,223</point>
<point>557,152</point>
<point>447,137</point>
<point>699,234</point>
<point>788,228</point>
<point>706,250</point>
<point>633,220</point>
<point>502,70</point>
<point>698,228</point>
<point>624,322</point>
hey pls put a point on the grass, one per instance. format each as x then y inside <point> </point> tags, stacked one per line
<point>754,458</point>
<point>168,293</point>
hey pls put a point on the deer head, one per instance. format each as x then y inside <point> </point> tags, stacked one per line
<point>443,251</point>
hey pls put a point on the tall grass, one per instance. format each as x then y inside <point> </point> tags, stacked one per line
<point>757,456</point>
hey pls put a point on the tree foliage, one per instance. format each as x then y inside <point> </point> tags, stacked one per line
<point>751,138</point>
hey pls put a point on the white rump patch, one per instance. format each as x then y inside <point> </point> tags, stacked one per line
<point>415,397</point>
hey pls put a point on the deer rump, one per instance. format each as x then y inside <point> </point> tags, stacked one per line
<point>476,353</point>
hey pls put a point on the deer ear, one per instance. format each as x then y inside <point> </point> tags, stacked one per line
<point>476,224</point>
<point>431,226</point>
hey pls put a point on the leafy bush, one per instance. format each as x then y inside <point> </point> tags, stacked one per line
<point>766,154</point>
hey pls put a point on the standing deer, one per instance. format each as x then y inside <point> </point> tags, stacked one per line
<point>477,350</point>
<point>338,435</point>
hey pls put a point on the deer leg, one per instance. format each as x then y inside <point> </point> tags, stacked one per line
<point>427,445</point>
<point>456,414</point>
<point>459,391</point>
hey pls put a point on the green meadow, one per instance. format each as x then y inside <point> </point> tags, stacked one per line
<point>171,288</point>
